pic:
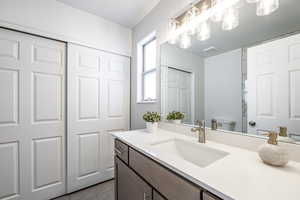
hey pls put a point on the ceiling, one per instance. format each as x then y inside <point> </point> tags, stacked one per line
<point>125,12</point>
<point>252,29</point>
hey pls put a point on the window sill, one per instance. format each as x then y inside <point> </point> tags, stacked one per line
<point>146,102</point>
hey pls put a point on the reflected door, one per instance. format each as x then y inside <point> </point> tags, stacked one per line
<point>274,85</point>
<point>179,92</point>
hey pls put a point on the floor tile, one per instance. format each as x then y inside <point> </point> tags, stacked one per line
<point>103,191</point>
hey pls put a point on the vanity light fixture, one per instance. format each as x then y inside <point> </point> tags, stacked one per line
<point>172,27</point>
<point>191,16</point>
<point>218,16</point>
<point>196,21</point>
<point>185,41</point>
<point>231,19</point>
<point>203,31</point>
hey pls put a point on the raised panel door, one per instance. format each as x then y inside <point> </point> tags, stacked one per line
<point>32,124</point>
<point>98,103</point>
<point>273,85</point>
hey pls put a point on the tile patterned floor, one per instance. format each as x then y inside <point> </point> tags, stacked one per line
<point>103,191</point>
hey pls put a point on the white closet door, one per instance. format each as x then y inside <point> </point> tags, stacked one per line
<point>31,117</point>
<point>274,85</point>
<point>98,104</point>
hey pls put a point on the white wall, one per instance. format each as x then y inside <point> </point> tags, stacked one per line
<point>223,87</point>
<point>172,56</point>
<point>156,20</point>
<point>53,19</point>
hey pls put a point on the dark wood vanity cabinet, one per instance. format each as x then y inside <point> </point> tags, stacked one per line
<point>130,186</point>
<point>140,178</point>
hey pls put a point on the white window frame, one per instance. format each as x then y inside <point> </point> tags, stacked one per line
<point>141,69</point>
<point>145,72</point>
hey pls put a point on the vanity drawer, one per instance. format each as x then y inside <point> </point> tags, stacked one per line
<point>167,183</point>
<point>121,150</point>
<point>209,196</point>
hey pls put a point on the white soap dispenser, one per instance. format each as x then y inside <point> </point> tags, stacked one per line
<point>271,153</point>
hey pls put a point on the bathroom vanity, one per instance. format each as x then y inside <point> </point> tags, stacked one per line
<point>172,166</point>
<point>140,177</point>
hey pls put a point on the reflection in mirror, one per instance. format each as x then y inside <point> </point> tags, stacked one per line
<point>245,80</point>
<point>182,83</point>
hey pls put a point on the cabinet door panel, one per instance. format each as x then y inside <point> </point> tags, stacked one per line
<point>129,186</point>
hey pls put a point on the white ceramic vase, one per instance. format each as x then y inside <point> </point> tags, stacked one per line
<point>176,121</point>
<point>273,155</point>
<point>151,127</point>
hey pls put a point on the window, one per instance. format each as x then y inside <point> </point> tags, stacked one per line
<point>146,69</point>
<point>149,71</point>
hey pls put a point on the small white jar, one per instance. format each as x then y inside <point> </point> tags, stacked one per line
<point>176,121</point>
<point>151,127</point>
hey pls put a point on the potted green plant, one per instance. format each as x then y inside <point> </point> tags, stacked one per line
<point>152,119</point>
<point>175,117</point>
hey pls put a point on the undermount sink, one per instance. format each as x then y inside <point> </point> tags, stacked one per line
<point>198,154</point>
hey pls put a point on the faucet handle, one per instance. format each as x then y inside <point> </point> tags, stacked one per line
<point>194,129</point>
<point>200,122</point>
<point>283,131</point>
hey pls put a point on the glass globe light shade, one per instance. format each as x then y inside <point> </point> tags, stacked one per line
<point>266,7</point>
<point>203,32</point>
<point>185,41</point>
<point>231,19</point>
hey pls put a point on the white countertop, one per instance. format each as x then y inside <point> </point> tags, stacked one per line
<point>241,175</point>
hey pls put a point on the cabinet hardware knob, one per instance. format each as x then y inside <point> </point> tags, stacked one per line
<point>252,123</point>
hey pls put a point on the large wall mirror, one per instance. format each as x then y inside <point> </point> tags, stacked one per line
<point>247,79</point>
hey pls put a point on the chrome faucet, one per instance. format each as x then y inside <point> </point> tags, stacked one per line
<point>201,131</point>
